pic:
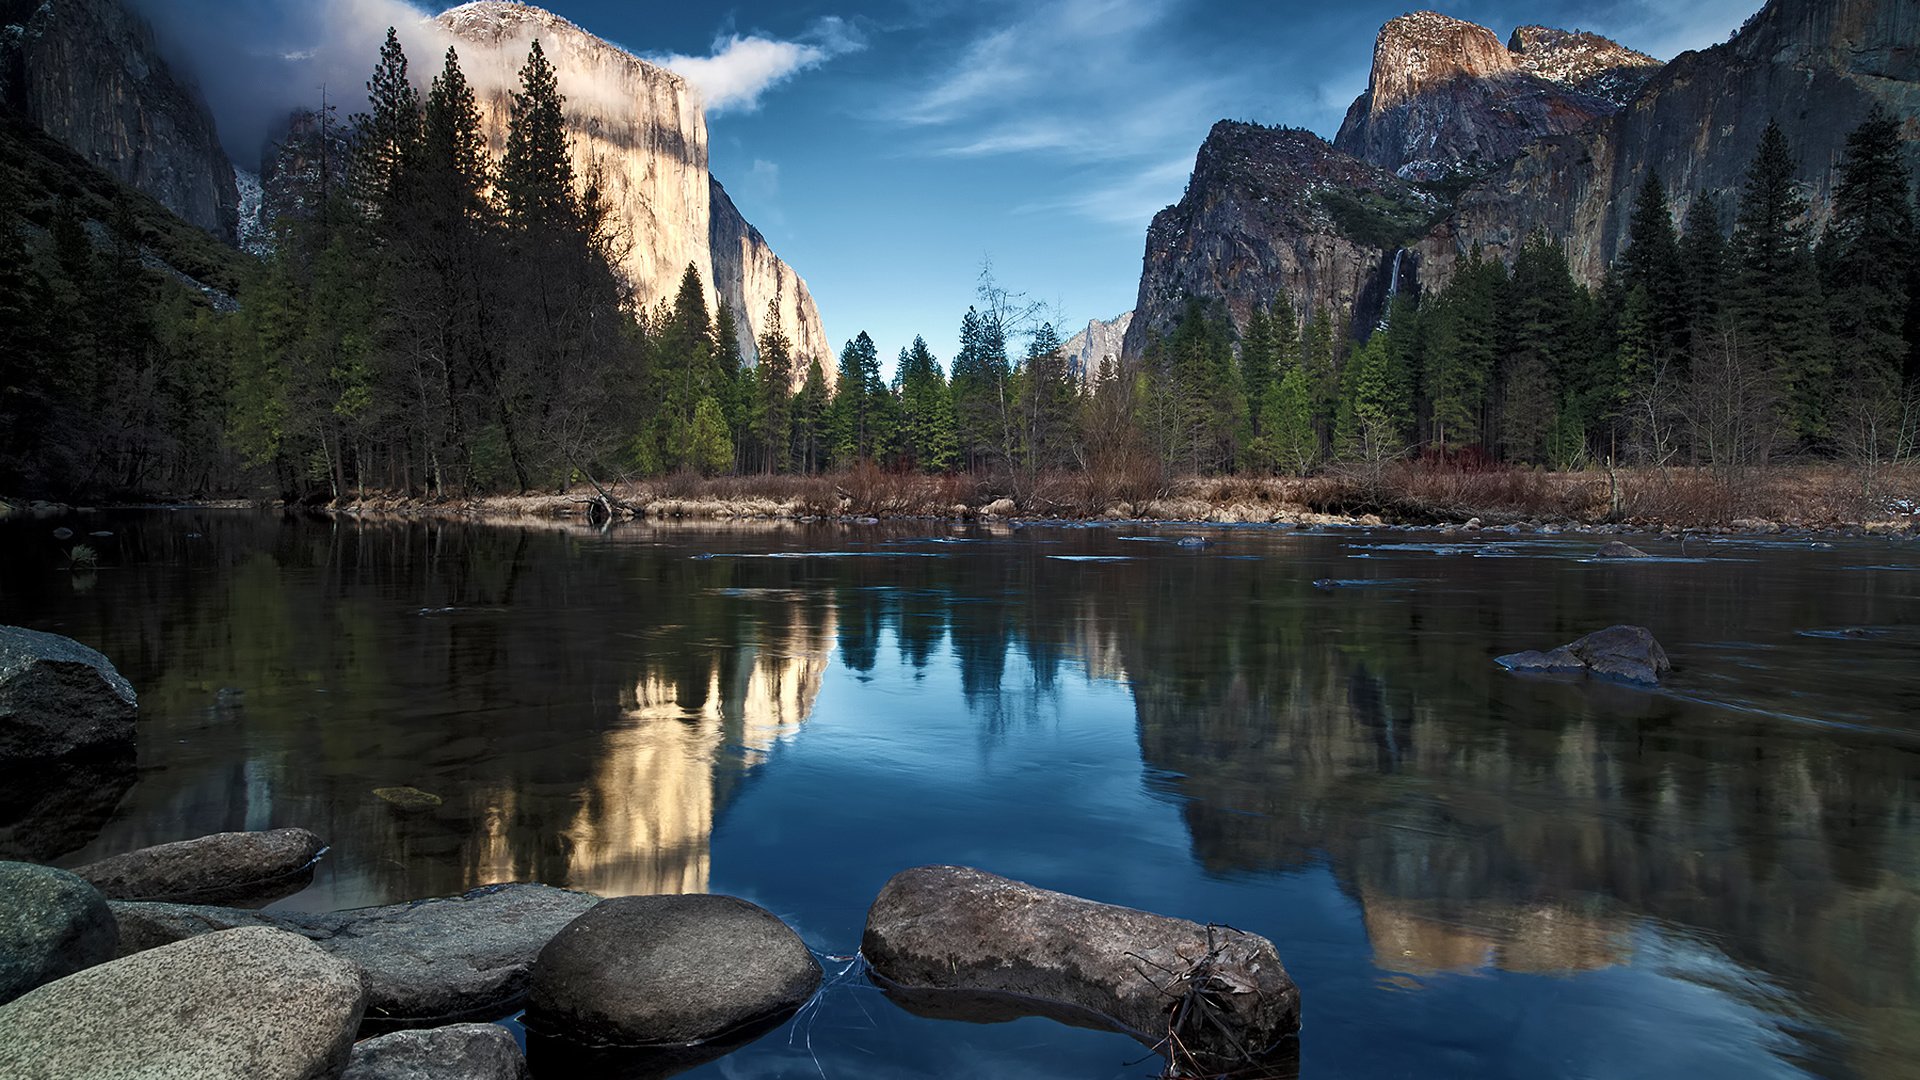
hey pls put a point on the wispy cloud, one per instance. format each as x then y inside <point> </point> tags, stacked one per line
<point>740,69</point>
<point>1124,197</point>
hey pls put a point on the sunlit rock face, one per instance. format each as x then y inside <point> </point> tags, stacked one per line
<point>647,816</point>
<point>88,73</point>
<point>1813,66</point>
<point>1102,339</point>
<point>641,130</point>
<point>1445,94</point>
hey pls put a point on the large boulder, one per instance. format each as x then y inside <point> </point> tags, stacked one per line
<point>48,808</point>
<point>669,970</point>
<point>225,868</point>
<point>427,963</point>
<point>247,1004</point>
<point>1619,653</point>
<point>52,924</point>
<point>960,930</point>
<point>58,697</point>
<point>456,1052</point>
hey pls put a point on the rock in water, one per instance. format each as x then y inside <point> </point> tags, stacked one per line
<point>248,1004</point>
<point>429,962</point>
<point>953,928</point>
<point>1000,508</point>
<point>48,808</point>
<point>225,868</point>
<point>52,924</point>
<point>668,970</point>
<point>58,697</point>
<point>1614,549</point>
<point>458,1052</point>
<point>1622,653</point>
<point>408,799</point>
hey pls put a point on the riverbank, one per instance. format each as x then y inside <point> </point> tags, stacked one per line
<point>1813,498</point>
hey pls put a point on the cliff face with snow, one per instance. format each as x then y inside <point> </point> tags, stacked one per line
<point>643,129</point>
<point>1273,210</point>
<point>88,73</point>
<point>1102,339</point>
<point>1813,66</point>
<point>1445,94</point>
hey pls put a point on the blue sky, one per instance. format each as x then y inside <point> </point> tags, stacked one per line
<point>889,148</point>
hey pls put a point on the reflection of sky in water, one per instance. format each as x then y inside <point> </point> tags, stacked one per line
<point>1469,873</point>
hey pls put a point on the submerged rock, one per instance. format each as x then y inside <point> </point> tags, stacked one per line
<point>669,970</point>
<point>52,924</point>
<point>1614,549</point>
<point>225,868</point>
<point>247,1004</point>
<point>953,928</point>
<point>408,799</point>
<point>58,697</point>
<point>1622,653</point>
<point>428,962</point>
<point>456,1052</point>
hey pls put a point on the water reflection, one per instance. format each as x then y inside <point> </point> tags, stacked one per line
<point>594,710</point>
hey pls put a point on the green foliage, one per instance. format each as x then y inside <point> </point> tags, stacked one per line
<point>1376,219</point>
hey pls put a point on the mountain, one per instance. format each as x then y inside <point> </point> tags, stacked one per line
<point>88,73</point>
<point>645,131</point>
<point>1445,94</point>
<point>1813,66</point>
<point>1271,210</point>
<point>1099,341</point>
<point>1461,141</point>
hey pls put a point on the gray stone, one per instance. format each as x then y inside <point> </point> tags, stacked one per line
<point>456,1052</point>
<point>52,924</point>
<point>247,1004</point>
<point>1627,653</point>
<point>49,808</point>
<point>427,962</point>
<point>1621,653</point>
<point>1000,508</point>
<point>954,928</point>
<point>225,868</point>
<point>668,970</point>
<point>1614,549</point>
<point>58,697</point>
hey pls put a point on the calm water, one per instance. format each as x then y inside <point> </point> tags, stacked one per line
<point>1470,874</point>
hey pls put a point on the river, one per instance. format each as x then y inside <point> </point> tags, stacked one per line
<point>1470,873</point>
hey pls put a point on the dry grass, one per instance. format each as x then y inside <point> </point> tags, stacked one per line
<point>1797,496</point>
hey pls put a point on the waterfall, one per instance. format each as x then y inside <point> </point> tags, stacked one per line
<point>1393,289</point>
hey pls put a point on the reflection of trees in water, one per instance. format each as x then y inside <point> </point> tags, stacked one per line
<point>1484,821</point>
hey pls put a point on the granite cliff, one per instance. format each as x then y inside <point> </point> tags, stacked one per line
<point>1813,66</point>
<point>1102,339</point>
<point>645,131</point>
<point>88,73</point>
<point>1445,94</point>
<point>1273,209</point>
<point>1555,130</point>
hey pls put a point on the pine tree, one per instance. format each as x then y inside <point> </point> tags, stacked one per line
<point>1046,401</point>
<point>536,176</point>
<point>776,406</point>
<point>1703,264</point>
<point>927,430</point>
<point>455,167</point>
<point>1651,262</point>
<point>855,417</point>
<point>1458,373</point>
<point>1776,299</point>
<point>1867,254</point>
<point>1537,387</point>
<point>389,140</point>
<point>1368,427</point>
<point>810,407</point>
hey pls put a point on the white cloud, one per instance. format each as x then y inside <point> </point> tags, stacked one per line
<point>742,68</point>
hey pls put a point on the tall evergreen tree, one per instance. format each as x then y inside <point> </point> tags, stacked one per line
<point>776,407</point>
<point>857,413</point>
<point>1776,298</point>
<point>389,140</point>
<point>1652,262</point>
<point>536,176</point>
<point>1866,257</point>
<point>926,423</point>
<point>1047,404</point>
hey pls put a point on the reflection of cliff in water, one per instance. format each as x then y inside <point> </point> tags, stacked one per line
<point>647,814</point>
<point>1481,822</point>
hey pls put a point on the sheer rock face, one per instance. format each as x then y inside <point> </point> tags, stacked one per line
<point>747,275</point>
<point>1100,340</point>
<point>1814,66</point>
<point>1446,94</point>
<point>1257,218</point>
<point>645,131</point>
<point>88,73</point>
